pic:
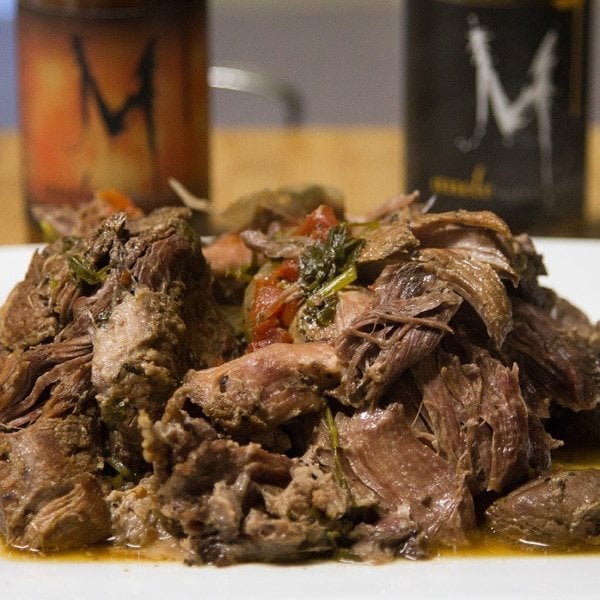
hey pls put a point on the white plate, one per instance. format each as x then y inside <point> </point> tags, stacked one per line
<point>573,267</point>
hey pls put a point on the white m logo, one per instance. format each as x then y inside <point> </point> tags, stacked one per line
<point>512,116</point>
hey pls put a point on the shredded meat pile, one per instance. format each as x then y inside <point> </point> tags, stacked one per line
<point>299,386</point>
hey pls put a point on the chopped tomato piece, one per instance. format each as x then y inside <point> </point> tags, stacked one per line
<point>318,223</point>
<point>268,299</point>
<point>262,329</point>
<point>118,201</point>
<point>275,335</point>
<point>288,312</point>
<point>287,270</point>
<point>271,314</point>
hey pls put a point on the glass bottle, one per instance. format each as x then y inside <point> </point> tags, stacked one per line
<point>495,108</point>
<point>112,94</point>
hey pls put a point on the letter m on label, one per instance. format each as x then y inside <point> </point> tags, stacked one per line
<point>142,99</point>
<point>492,100</point>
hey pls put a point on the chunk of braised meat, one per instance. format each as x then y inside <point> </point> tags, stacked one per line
<point>165,255</point>
<point>51,497</point>
<point>482,231</point>
<point>479,421</point>
<point>27,318</point>
<point>557,365</point>
<point>559,510</point>
<point>409,477</point>
<point>46,380</point>
<point>136,295</point>
<point>49,294</point>
<point>163,300</point>
<point>236,502</point>
<point>214,497</point>
<point>406,320</point>
<point>384,244</point>
<point>472,253</point>
<point>138,361</point>
<point>50,299</point>
<point>300,520</point>
<point>136,518</point>
<point>404,227</point>
<point>254,394</point>
<point>430,225</point>
<point>35,371</point>
<point>477,283</point>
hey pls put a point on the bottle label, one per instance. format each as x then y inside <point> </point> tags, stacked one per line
<point>113,102</point>
<point>495,106</point>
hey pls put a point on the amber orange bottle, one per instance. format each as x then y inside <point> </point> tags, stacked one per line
<point>113,94</point>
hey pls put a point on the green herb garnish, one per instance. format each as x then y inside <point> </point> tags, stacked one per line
<point>123,473</point>
<point>114,412</point>
<point>325,268</point>
<point>49,233</point>
<point>335,446</point>
<point>83,270</point>
<point>322,261</point>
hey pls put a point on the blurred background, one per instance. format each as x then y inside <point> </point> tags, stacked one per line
<point>344,58</point>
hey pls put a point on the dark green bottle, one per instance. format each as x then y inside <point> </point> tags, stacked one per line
<point>495,103</point>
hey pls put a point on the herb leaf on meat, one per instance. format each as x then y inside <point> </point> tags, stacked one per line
<point>325,268</point>
<point>83,270</point>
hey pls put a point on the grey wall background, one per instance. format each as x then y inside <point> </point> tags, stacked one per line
<point>345,56</point>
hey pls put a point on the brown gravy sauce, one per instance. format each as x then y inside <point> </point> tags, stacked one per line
<point>162,551</point>
<point>483,543</point>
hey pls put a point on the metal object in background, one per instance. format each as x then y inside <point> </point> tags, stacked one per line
<point>242,79</point>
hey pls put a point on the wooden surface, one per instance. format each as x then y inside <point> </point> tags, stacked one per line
<point>364,163</point>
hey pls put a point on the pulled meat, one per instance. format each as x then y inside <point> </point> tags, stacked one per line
<point>301,386</point>
<point>559,510</point>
